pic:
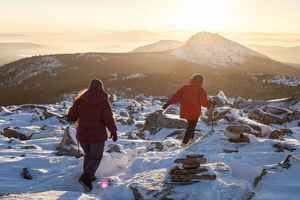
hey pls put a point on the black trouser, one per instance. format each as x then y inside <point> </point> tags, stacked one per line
<point>92,157</point>
<point>190,131</point>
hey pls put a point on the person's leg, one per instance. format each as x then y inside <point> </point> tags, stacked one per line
<point>97,150</point>
<point>192,127</point>
<point>93,159</point>
<point>84,179</point>
<point>86,151</point>
<point>190,131</point>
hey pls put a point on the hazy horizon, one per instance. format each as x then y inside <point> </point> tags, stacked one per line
<point>71,26</point>
<point>155,15</point>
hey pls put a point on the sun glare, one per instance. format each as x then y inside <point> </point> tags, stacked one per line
<point>212,14</point>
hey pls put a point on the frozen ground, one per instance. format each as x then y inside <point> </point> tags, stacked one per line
<point>139,170</point>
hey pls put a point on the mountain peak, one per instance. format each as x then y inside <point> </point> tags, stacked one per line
<point>214,50</point>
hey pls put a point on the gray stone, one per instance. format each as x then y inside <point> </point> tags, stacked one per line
<point>157,120</point>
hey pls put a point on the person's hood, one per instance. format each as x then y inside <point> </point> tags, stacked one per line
<point>94,96</point>
<point>196,83</point>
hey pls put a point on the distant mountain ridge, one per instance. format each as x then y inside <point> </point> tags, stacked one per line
<point>162,45</point>
<point>215,50</point>
<point>283,54</point>
<point>41,79</point>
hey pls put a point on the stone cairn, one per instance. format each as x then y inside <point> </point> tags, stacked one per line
<point>189,170</point>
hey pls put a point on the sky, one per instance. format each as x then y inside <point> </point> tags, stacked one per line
<point>191,15</point>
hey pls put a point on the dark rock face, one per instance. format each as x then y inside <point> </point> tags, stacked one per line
<point>157,120</point>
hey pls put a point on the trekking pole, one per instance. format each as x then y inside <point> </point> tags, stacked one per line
<point>212,119</point>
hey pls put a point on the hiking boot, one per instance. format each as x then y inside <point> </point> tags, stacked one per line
<point>94,178</point>
<point>86,183</point>
<point>184,144</point>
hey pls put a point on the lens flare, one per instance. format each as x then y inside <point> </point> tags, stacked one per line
<point>104,184</point>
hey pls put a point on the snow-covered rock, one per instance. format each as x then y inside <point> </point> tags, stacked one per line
<point>157,120</point>
<point>140,168</point>
<point>292,81</point>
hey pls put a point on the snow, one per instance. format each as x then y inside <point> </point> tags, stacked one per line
<point>214,50</point>
<point>56,177</point>
<point>96,56</point>
<point>134,76</point>
<point>291,81</point>
<point>116,76</point>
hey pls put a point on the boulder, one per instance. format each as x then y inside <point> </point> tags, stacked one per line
<point>221,100</point>
<point>139,125</point>
<point>41,110</point>
<point>25,174</point>
<point>259,129</point>
<point>243,139</point>
<point>132,135</point>
<point>276,134</point>
<point>124,113</point>
<point>4,111</point>
<point>295,115</point>
<point>236,131</point>
<point>113,148</point>
<point>126,121</point>
<point>282,146</point>
<point>14,133</point>
<point>67,146</point>
<point>176,170</point>
<point>155,146</point>
<point>276,110</point>
<point>157,120</point>
<point>267,118</point>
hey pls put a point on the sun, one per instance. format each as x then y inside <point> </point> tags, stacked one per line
<point>205,14</point>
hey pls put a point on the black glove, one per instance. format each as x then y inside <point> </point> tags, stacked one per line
<point>165,106</point>
<point>212,102</point>
<point>114,137</point>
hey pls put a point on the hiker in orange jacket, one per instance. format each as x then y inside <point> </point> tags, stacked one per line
<point>191,98</point>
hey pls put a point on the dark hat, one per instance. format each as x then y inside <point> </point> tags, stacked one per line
<point>96,84</point>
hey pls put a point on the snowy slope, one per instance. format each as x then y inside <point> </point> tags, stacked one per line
<point>140,169</point>
<point>162,45</point>
<point>214,50</point>
<point>24,71</point>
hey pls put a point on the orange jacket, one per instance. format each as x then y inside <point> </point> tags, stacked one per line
<point>191,98</point>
